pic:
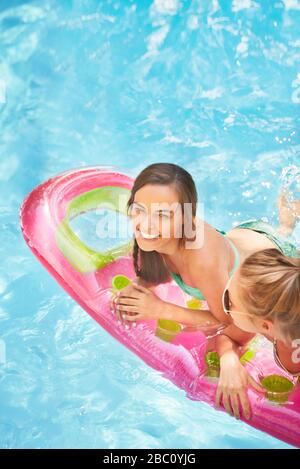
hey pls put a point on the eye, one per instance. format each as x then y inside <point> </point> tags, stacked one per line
<point>135,210</point>
<point>163,215</point>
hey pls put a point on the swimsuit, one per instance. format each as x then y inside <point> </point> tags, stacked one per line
<point>195,292</point>
<point>287,248</point>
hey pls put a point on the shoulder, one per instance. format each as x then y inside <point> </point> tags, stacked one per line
<point>208,275</point>
<point>209,254</point>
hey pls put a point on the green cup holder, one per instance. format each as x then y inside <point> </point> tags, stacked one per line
<point>167,329</point>
<point>119,282</point>
<point>277,388</point>
<point>212,361</point>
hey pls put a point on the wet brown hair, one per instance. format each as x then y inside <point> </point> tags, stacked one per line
<point>150,266</point>
<point>270,289</point>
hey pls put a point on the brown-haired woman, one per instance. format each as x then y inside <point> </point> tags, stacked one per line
<point>171,241</point>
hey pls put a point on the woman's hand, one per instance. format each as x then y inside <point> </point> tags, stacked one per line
<point>137,302</point>
<point>232,387</point>
<point>127,291</point>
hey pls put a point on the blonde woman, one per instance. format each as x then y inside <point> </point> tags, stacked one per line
<point>262,297</point>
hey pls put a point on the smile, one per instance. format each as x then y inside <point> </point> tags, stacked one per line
<point>148,236</point>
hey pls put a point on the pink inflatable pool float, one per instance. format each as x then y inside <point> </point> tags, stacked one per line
<point>182,355</point>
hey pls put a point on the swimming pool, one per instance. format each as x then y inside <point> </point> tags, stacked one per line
<point>212,86</point>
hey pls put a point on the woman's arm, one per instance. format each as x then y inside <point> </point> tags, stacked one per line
<point>181,314</point>
<point>188,316</point>
<point>136,302</point>
<point>234,378</point>
<point>231,338</point>
<point>211,282</point>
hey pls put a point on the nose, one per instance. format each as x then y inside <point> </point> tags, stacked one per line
<point>148,225</point>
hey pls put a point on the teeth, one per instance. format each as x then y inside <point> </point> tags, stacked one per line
<point>148,236</point>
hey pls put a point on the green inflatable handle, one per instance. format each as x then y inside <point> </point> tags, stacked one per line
<point>81,257</point>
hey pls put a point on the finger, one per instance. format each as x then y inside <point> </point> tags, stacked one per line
<point>218,397</point>
<point>132,319</point>
<point>235,405</point>
<point>115,297</point>
<point>245,404</point>
<point>127,301</point>
<point>112,305</point>
<point>119,316</point>
<point>256,385</point>
<point>133,294</point>
<point>226,404</point>
<point>126,313</point>
<point>129,320</point>
<point>116,310</point>
<point>126,309</point>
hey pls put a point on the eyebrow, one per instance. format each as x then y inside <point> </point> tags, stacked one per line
<point>136,203</point>
<point>159,210</point>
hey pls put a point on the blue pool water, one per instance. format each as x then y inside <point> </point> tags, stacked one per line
<point>211,85</point>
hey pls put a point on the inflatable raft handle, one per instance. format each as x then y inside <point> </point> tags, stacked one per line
<point>81,257</point>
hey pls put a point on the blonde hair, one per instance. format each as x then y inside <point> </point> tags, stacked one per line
<point>270,289</point>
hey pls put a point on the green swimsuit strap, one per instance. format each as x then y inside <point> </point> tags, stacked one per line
<point>236,253</point>
<point>236,257</point>
<point>195,291</point>
<point>192,291</point>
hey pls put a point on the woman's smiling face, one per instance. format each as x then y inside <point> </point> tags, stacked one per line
<point>156,216</point>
